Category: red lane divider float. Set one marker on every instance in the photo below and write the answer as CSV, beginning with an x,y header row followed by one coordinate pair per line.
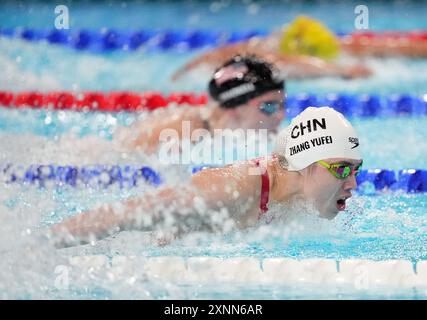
x,y
398,35
98,101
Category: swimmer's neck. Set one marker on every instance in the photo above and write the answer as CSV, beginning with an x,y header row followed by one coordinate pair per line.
x,y
284,185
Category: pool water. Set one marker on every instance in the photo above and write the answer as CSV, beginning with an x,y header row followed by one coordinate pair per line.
x,y
376,226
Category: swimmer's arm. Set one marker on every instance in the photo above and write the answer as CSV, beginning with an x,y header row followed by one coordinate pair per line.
x,y
218,56
216,188
296,67
133,213
383,47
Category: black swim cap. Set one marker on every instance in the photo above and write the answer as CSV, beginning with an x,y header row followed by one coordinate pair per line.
x,y
243,78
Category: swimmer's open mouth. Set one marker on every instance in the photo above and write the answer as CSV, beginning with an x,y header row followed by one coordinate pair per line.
x,y
341,204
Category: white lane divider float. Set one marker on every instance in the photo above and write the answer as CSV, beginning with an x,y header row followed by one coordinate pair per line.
x,y
398,273
210,269
422,274
291,271
363,274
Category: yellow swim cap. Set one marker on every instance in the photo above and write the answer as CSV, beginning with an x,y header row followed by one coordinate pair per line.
x,y
309,37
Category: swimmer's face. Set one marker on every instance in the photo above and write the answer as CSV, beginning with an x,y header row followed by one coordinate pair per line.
x,y
328,192
251,116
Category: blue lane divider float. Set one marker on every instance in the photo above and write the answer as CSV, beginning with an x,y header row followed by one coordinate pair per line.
x,y
97,176
111,39
360,105
409,180
130,176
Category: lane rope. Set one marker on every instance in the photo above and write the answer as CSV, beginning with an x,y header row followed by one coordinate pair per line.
x,y
350,105
107,40
130,176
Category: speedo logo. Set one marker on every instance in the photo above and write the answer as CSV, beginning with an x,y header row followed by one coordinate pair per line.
x,y
355,141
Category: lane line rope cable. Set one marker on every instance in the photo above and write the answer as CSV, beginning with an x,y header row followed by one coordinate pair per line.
x,y
362,105
130,176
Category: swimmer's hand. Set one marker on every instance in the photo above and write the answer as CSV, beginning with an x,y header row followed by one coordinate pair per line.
x,y
86,227
163,239
60,237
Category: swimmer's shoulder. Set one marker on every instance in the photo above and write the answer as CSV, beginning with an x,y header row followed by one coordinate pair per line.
x,y
234,186
242,176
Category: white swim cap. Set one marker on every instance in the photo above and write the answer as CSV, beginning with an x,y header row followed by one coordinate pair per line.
x,y
317,134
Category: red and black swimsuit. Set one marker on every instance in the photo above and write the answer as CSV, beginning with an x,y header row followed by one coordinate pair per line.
x,y
265,188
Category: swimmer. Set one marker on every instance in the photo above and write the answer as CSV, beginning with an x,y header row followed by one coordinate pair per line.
x,y
306,48
247,94
315,161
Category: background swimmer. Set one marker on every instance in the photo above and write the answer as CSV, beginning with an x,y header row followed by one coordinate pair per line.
x,y
323,174
303,50
248,93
